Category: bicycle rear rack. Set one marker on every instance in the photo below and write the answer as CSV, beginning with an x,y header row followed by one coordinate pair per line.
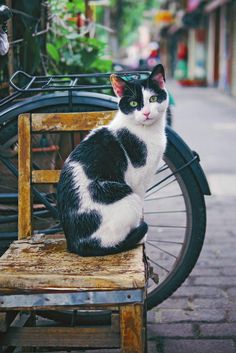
x,y
69,82
41,84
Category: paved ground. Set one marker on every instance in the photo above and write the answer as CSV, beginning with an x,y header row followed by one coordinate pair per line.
x,y
201,316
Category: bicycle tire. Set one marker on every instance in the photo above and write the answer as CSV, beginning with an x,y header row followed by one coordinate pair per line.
x,y
193,198
195,203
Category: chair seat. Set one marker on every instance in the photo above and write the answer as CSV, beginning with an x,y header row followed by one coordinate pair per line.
x,y
42,264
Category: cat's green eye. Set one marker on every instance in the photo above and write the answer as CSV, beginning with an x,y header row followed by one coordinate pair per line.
x,y
133,103
153,99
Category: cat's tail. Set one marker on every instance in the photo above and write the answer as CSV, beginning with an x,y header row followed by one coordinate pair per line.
x,y
131,240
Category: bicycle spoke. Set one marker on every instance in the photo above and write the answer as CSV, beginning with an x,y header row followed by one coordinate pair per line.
x,y
9,187
158,212
45,220
162,169
162,187
158,265
165,241
164,197
164,251
166,226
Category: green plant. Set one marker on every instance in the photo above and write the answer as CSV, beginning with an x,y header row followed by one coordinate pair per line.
x,y
69,50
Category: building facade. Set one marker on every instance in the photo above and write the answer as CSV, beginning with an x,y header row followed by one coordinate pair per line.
x,y
208,29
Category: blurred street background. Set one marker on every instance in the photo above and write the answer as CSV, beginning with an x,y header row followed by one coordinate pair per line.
x,y
196,42
194,39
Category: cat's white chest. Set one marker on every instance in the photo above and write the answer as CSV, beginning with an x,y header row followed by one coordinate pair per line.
x,y
139,178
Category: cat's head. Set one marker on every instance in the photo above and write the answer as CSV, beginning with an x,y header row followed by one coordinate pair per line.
x,y
144,101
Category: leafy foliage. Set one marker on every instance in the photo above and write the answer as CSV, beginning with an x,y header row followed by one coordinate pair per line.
x,y
127,17
69,51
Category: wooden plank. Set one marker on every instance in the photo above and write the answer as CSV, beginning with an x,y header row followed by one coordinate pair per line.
x,y
45,176
70,121
131,329
79,337
24,179
45,264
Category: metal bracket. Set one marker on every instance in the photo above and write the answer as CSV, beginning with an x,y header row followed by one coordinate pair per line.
x,y
71,299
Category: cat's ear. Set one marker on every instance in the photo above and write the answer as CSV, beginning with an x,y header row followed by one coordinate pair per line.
x,y
158,75
118,85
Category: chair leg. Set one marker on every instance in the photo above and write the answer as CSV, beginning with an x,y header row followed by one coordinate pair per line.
x,y
131,329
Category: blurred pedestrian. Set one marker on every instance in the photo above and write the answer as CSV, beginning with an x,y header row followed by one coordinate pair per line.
x,y
4,44
5,14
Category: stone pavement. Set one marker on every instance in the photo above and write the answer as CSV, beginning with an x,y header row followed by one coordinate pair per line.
x,y
200,317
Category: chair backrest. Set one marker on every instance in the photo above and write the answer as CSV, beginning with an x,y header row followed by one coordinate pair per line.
x,y
41,123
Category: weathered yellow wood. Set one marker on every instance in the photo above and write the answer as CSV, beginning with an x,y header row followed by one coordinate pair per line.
x,y
46,265
70,121
45,176
131,328
24,179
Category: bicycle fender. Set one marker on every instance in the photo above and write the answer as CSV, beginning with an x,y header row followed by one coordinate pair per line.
x,y
188,155
57,99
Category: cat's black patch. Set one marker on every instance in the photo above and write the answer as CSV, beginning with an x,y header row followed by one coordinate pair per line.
x,y
133,92
107,192
92,247
82,224
85,247
79,227
101,156
75,224
66,195
135,148
153,86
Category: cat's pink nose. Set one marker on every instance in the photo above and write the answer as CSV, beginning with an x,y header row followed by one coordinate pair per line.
x,y
146,114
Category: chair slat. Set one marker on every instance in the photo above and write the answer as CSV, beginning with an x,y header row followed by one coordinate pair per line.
x,y
24,179
45,176
54,122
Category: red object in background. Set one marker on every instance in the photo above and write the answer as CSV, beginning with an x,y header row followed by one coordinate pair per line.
x,y
200,35
182,51
192,83
80,20
154,53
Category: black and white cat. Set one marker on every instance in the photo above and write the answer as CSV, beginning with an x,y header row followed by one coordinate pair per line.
x,y
103,181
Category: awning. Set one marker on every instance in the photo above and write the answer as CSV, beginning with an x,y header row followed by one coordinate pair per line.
x,y
214,4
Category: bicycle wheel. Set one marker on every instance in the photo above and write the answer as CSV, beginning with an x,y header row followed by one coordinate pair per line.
x,y
176,215
174,209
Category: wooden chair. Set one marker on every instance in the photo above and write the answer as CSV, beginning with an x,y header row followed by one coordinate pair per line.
x,y
37,272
